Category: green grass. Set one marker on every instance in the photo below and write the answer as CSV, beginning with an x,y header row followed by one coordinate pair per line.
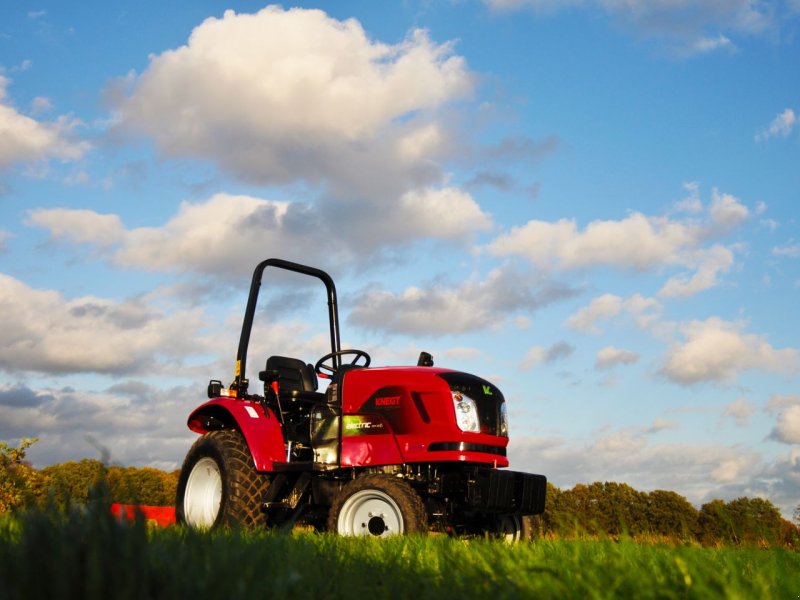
x,y
89,555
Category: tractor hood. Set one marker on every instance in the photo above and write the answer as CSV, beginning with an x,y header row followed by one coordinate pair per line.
x,y
424,414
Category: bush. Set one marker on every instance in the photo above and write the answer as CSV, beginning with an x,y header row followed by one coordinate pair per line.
x,y
19,482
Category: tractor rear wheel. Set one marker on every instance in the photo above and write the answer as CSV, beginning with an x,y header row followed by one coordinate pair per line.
x,y
377,505
219,485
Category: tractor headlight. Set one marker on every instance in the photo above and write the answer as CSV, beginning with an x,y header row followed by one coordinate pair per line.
x,y
466,412
503,420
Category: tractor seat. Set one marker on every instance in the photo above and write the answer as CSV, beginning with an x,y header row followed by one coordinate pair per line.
x,y
296,379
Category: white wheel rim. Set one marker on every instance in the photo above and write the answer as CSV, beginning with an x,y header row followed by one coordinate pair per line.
x,y
370,512
203,495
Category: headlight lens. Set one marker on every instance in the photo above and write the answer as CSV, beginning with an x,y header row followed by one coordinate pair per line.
x,y
503,420
466,412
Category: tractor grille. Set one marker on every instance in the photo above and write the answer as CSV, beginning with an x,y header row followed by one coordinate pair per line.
x,y
466,447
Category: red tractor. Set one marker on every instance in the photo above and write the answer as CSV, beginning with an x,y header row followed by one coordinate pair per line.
x,y
381,451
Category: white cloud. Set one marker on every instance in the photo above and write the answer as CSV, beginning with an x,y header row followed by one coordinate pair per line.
x,y
227,234
731,469
710,263
778,402
211,237
136,424
23,139
787,427
644,311
285,95
790,251
660,424
41,331
704,45
700,471
781,126
638,243
442,308
718,351
610,356
786,409
697,470
79,226
726,213
538,355
740,410
440,213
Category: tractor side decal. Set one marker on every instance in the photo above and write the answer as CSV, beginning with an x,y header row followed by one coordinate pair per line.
x,y
363,425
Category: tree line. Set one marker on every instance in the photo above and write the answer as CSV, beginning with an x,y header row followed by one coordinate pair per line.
x,y
617,509
598,509
71,483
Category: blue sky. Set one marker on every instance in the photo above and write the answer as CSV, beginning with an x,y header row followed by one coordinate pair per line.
x,y
592,203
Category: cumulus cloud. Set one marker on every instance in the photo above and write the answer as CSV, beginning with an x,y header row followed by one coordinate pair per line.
x,y
538,355
787,427
79,226
637,243
710,263
740,410
786,409
781,126
41,331
443,308
697,470
286,95
610,357
715,350
24,139
644,312
778,402
227,234
135,423
700,471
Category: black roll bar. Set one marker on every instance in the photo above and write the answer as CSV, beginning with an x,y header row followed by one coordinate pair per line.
x,y
240,381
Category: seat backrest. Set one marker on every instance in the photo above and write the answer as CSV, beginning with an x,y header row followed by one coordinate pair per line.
x,y
293,374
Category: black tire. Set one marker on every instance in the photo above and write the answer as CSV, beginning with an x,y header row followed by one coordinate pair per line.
x,y
377,505
219,485
510,528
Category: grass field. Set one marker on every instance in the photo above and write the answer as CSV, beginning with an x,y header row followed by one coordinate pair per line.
x,y
89,555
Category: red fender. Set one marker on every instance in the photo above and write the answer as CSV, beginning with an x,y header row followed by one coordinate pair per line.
x,y
262,431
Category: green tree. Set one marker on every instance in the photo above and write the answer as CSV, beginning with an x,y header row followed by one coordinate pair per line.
x,y
149,486
619,509
755,520
19,482
746,521
670,514
71,482
715,525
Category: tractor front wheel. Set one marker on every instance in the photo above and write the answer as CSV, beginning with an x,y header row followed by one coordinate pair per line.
x,y
379,506
508,528
219,485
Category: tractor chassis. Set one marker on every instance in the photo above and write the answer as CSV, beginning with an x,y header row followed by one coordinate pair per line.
x,y
459,499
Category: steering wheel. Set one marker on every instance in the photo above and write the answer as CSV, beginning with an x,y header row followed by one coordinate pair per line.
x,y
327,371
